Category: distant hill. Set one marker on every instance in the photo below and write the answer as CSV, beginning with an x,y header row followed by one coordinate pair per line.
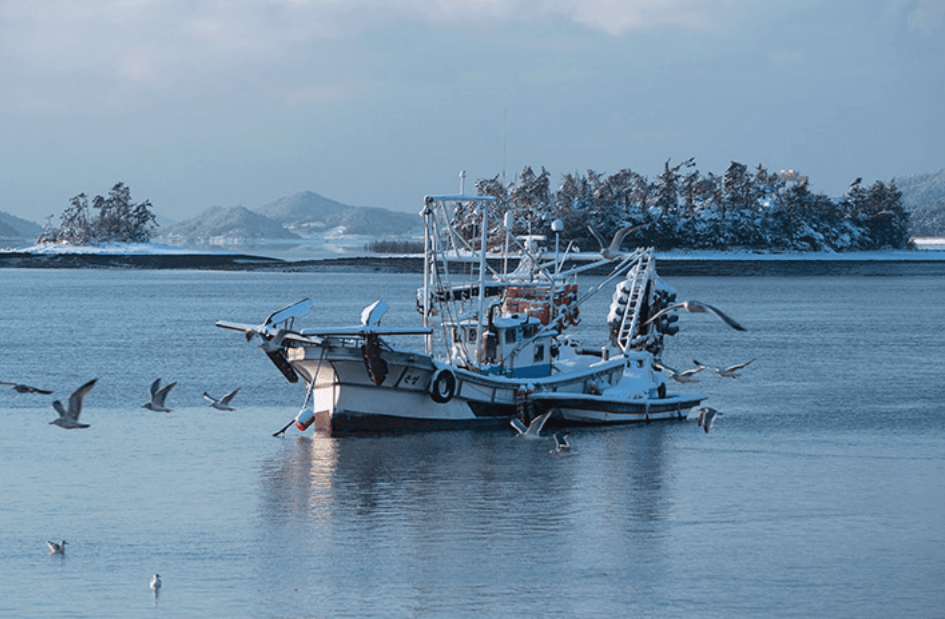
x,y
12,227
308,213
374,221
298,216
7,231
923,195
235,223
928,220
301,208
922,189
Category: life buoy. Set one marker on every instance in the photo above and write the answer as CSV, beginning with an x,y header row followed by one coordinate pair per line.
x,y
443,386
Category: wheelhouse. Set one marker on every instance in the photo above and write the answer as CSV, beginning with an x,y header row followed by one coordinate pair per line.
x,y
511,345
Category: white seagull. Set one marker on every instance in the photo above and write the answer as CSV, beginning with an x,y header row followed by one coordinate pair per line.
x,y
57,548
680,377
69,419
562,447
534,428
19,388
223,403
612,251
697,307
158,395
729,372
707,417
156,583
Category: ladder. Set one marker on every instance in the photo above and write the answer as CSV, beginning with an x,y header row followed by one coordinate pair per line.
x,y
627,302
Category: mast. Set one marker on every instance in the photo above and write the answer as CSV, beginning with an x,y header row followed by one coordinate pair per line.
x,y
427,214
482,272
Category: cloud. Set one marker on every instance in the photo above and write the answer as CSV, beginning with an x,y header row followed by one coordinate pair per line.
x,y
617,18
614,17
927,16
127,50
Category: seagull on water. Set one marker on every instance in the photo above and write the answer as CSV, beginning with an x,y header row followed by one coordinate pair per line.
x,y
680,377
562,447
612,251
57,548
707,417
19,388
158,395
156,583
69,419
729,372
697,307
223,403
533,431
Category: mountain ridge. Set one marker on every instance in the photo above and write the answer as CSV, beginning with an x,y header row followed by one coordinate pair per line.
x,y
297,216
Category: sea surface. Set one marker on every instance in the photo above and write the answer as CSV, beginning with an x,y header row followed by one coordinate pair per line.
x,y
819,493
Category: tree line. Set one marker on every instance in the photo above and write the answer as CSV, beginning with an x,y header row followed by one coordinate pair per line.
x,y
685,209
680,209
112,218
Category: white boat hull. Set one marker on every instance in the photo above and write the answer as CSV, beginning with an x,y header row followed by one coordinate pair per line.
x,y
345,398
601,410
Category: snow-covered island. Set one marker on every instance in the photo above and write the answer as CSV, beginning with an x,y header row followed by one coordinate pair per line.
x,y
112,249
740,222
125,255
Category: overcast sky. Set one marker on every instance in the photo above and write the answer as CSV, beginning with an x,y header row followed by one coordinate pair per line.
x,y
196,103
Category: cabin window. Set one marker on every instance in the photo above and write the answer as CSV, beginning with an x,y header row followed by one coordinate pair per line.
x,y
539,352
529,330
510,336
472,334
456,336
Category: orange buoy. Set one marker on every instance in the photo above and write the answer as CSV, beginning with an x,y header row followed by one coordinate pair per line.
x,y
304,419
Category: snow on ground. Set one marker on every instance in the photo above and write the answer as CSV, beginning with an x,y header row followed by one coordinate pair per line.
x,y
901,255
113,249
929,242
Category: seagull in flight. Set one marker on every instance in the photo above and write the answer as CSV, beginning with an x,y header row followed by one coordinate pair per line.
x,y
686,376
57,548
69,419
156,583
562,447
19,388
612,251
158,395
707,417
223,403
697,307
729,372
534,428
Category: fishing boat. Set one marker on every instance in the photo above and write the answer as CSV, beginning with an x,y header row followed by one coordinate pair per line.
x,y
495,311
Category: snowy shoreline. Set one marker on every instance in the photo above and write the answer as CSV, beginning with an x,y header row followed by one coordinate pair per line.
x,y
677,262
124,255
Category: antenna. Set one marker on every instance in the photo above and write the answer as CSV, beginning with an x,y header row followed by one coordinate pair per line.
x,y
462,183
505,137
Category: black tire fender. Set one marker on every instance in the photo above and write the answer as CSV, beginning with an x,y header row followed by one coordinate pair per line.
x,y
443,386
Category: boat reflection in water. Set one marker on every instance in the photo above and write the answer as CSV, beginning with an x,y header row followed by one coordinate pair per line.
x,y
431,515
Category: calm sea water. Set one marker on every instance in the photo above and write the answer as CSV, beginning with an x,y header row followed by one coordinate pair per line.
x,y
820,492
